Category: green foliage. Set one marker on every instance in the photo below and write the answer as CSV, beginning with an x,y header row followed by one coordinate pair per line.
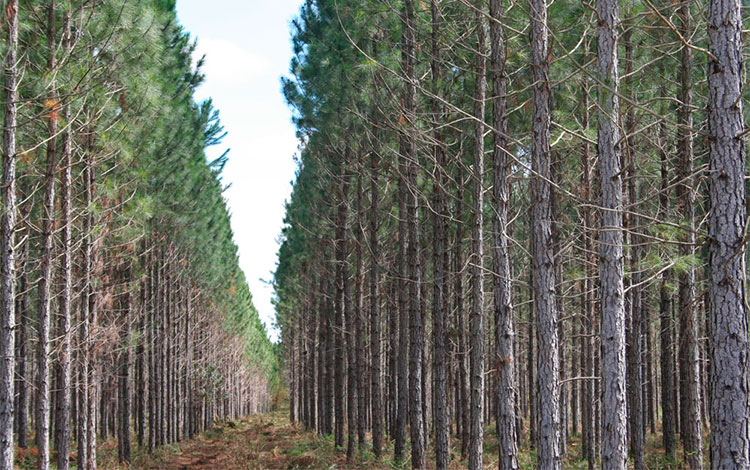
x,y
130,82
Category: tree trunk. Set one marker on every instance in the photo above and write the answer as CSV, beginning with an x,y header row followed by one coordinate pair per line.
x,y
90,297
45,278
587,348
140,352
666,359
339,328
459,307
614,413
375,337
413,271
730,381
689,353
64,394
123,377
7,242
359,338
349,329
504,361
23,371
548,395
403,314
634,294
477,351
440,262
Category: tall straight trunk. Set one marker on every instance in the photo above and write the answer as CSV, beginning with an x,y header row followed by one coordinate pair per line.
x,y
459,307
530,382
689,347
151,340
324,406
141,363
330,342
505,387
403,314
650,378
587,366
545,305
666,359
124,304
730,381
311,376
413,271
676,368
23,371
440,262
83,328
563,397
575,367
359,338
161,402
393,332
349,328
90,298
64,397
476,316
614,413
320,347
339,328
634,295
292,369
375,336
168,340
7,242
187,431
45,278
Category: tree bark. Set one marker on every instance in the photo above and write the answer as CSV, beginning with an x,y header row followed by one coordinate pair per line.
x,y
634,301
548,395
730,381
476,316
90,297
359,338
614,413
440,262
504,361
123,376
23,371
689,347
413,271
7,242
64,397
45,278
403,328
339,328
375,336
461,314
349,329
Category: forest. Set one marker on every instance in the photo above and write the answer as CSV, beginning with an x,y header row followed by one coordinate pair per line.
x,y
126,324
517,236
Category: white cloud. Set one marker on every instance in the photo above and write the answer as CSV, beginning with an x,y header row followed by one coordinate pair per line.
x,y
228,64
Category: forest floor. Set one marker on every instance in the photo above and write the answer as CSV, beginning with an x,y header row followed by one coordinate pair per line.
x,y
270,442
261,442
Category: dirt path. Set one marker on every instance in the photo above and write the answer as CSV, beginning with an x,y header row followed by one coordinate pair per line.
x,y
266,442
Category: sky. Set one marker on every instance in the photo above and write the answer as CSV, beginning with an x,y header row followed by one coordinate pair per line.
x,y
247,48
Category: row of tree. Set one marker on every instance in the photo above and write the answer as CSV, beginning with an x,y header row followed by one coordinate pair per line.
x,y
123,308
526,213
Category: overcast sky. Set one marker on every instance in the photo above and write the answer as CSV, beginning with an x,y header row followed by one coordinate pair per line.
x,y
247,48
